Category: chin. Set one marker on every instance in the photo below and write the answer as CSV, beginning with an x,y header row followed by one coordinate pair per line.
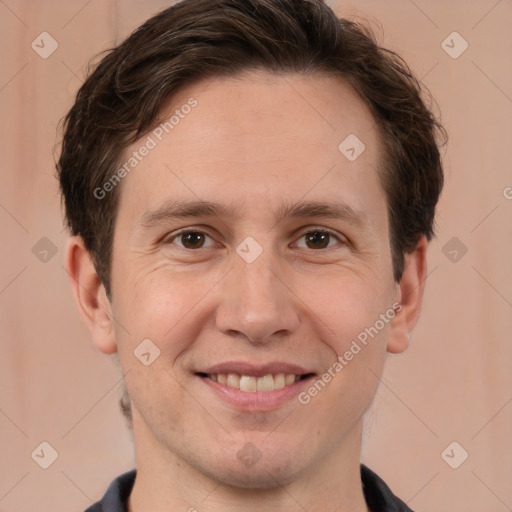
x,y
261,476
247,468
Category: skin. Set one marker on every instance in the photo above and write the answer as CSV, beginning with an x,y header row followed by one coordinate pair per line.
x,y
258,142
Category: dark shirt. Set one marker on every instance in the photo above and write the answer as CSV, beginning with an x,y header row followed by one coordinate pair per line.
x,y
378,495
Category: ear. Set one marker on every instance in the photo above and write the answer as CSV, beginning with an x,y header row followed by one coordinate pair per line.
x,y
409,294
90,295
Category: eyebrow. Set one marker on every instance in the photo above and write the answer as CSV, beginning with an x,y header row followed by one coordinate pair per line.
x,y
173,210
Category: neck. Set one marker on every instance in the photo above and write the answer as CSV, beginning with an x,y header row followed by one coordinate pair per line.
x,y
166,482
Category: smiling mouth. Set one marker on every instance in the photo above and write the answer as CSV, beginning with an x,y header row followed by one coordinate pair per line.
x,y
249,383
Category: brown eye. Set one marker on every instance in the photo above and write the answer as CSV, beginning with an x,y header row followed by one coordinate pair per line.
x,y
191,240
318,239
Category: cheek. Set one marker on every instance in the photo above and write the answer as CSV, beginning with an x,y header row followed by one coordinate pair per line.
x,y
351,316
347,307
165,306
345,389
161,317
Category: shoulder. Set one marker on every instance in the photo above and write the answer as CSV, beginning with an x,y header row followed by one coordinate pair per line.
x,y
95,508
378,495
116,495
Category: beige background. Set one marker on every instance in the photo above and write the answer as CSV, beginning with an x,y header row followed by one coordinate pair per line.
x,y
453,384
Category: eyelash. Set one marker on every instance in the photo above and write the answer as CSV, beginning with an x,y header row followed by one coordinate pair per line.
x,y
169,239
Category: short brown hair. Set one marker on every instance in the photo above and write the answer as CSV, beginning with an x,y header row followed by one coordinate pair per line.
x,y
196,39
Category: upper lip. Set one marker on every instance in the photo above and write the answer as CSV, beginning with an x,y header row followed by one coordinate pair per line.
x,y
250,369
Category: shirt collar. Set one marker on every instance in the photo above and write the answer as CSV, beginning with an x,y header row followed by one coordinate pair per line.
x,y
378,495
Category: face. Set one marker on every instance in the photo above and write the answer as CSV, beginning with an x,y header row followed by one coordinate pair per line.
x,y
253,254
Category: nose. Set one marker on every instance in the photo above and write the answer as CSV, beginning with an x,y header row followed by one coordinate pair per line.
x,y
258,302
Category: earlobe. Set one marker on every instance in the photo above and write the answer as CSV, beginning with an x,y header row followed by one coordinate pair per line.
x,y
90,295
410,296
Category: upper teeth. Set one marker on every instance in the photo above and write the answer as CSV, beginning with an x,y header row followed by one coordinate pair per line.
x,y
250,383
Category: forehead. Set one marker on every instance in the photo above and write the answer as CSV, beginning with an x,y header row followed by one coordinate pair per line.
x,y
258,138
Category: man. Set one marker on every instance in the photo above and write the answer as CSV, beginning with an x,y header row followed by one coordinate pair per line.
x,y
251,186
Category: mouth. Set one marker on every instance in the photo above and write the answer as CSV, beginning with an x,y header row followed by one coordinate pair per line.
x,y
255,388
251,383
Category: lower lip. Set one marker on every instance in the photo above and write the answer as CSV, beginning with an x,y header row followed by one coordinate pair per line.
x,y
257,400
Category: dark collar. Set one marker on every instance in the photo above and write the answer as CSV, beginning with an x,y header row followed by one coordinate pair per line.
x,y
378,495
